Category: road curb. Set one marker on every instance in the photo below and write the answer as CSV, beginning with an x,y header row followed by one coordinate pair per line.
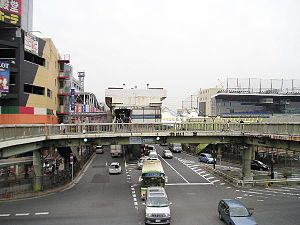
x,y
54,190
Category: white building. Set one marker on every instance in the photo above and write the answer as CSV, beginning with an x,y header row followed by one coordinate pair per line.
x,y
135,105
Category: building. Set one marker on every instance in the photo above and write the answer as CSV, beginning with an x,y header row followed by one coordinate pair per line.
x,y
254,98
204,99
135,105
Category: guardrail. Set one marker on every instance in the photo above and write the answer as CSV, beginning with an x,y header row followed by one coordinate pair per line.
x,y
12,132
263,182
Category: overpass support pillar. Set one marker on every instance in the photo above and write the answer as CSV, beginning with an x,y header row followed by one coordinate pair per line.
x,y
247,155
37,168
219,153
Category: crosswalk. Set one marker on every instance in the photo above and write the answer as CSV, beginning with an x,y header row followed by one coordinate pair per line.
x,y
194,166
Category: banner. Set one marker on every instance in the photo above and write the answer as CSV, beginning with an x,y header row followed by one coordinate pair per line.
x,y
10,11
4,76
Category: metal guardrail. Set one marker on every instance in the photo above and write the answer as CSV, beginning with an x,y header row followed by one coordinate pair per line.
x,y
12,132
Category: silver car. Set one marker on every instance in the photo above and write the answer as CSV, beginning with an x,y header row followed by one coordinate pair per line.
x,y
234,212
157,210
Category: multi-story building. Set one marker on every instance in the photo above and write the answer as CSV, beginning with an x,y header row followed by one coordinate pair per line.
x,y
135,105
33,77
253,98
204,99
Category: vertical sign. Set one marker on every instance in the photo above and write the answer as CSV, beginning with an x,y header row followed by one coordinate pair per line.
x,y
72,99
10,12
4,76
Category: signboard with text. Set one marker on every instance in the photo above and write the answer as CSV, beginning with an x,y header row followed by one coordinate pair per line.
x,y
10,12
4,76
31,43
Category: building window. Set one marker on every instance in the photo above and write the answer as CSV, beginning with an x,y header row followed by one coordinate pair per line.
x,y
34,59
33,89
49,93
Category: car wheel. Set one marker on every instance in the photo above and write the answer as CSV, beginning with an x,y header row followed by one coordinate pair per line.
x,y
220,216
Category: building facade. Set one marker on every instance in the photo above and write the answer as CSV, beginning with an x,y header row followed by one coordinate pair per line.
x,y
205,100
135,105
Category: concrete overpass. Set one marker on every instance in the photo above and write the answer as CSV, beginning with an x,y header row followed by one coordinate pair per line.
x,y
19,139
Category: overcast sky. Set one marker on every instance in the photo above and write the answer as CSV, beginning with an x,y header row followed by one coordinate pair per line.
x,y
181,46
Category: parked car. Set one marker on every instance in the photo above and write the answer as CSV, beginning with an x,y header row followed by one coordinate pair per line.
x,y
234,212
140,162
176,147
115,168
207,158
167,154
99,149
258,165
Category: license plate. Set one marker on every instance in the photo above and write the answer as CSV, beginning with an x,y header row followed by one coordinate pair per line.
x,y
157,221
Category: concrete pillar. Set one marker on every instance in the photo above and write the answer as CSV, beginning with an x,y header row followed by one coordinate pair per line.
x,y
246,170
219,153
37,168
253,153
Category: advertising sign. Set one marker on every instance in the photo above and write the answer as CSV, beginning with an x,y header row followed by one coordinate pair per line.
x,y
72,99
4,76
31,43
10,11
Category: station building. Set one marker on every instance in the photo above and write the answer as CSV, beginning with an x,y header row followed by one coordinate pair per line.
x,y
135,105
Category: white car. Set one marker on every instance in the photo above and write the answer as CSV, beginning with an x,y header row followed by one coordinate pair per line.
x,y
99,149
115,168
167,154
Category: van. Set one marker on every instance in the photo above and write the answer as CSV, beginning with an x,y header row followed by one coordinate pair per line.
x,y
176,147
99,149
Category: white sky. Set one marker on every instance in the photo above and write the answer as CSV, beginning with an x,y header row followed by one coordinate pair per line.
x,y
178,45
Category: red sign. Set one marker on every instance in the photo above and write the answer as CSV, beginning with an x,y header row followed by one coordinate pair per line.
x,y
10,11
11,6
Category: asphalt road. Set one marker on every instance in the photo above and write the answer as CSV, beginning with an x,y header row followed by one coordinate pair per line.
x,y
103,199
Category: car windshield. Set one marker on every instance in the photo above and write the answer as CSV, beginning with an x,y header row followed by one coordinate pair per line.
x,y
114,166
167,152
208,155
239,212
177,145
157,202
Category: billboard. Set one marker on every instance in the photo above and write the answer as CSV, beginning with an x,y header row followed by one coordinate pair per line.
x,y
4,76
31,43
10,12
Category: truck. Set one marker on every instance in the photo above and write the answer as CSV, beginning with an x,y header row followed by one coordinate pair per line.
x,y
116,150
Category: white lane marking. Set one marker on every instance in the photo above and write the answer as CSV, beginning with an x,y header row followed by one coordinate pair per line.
x,y
41,213
22,214
214,181
202,172
197,170
128,175
135,203
3,215
174,170
106,164
205,175
260,200
134,199
239,197
210,178
228,187
134,195
187,184
276,192
280,190
291,188
222,183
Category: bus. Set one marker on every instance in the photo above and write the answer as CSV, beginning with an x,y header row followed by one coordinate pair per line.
x,y
153,175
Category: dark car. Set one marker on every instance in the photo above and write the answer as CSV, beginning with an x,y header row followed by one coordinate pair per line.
x,y
258,165
234,212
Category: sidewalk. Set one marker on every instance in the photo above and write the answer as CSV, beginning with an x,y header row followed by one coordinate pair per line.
x,y
32,195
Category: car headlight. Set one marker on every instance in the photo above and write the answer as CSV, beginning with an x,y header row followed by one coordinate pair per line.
x,y
148,215
167,214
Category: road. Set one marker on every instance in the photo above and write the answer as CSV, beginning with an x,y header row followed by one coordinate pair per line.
x,y
103,199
